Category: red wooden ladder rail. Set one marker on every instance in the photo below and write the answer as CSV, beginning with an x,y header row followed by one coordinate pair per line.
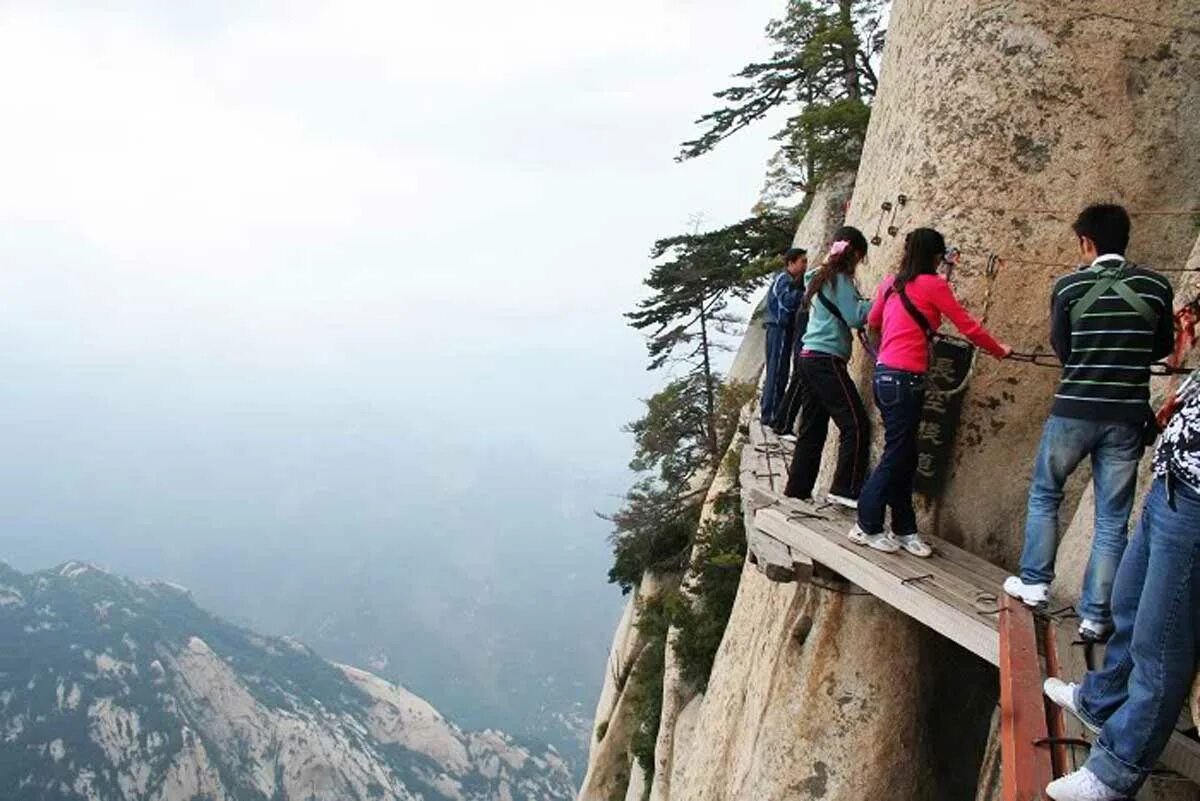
x,y
1025,767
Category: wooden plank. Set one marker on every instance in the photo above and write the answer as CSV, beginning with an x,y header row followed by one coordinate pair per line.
x,y
976,568
1056,725
775,455
1182,755
930,574
774,559
759,472
756,495
1067,662
917,599
1025,769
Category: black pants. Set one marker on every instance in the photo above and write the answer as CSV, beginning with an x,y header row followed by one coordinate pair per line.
x,y
830,393
793,399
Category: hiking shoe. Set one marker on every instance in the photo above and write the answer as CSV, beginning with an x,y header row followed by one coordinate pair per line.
x,y
842,500
1094,630
914,545
1082,785
1034,595
1063,693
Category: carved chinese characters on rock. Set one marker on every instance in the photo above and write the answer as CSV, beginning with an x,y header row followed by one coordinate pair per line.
x,y
949,369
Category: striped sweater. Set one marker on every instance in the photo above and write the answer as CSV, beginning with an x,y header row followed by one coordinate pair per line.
x,y
1106,356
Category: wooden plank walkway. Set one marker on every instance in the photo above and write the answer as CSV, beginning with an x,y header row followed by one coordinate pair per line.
x,y
764,466
954,592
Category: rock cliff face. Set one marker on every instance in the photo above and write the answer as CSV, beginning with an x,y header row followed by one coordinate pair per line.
x,y
115,690
989,114
997,121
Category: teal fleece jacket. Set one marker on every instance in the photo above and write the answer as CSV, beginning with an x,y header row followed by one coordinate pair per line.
x,y
825,333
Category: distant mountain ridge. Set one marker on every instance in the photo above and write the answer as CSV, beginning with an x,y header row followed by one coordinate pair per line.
x,y
114,689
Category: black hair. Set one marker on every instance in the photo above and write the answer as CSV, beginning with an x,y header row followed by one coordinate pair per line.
x,y
843,263
924,250
791,254
1106,224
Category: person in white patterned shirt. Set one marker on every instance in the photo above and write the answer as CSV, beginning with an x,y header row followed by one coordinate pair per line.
x,y
1134,701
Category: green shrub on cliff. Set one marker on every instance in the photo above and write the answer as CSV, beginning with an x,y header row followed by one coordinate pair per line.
x,y
721,551
645,686
655,527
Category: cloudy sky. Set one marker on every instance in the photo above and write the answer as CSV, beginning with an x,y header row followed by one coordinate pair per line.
x,y
270,268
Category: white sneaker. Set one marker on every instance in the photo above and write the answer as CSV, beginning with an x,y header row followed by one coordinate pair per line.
x,y
842,500
1094,630
1082,785
914,545
1063,693
788,438
880,542
883,542
1034,595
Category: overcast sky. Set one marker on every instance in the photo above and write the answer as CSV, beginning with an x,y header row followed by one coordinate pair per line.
x,y
302,185
289,279
437,209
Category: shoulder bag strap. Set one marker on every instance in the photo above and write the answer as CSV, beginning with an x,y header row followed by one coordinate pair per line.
x,y
913,311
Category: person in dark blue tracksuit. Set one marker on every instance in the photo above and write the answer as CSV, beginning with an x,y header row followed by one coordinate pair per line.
x,y
783,298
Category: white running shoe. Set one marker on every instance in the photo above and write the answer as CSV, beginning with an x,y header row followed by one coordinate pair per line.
x,y
1094,630
914,545
880,542
883,542
842,500
1082,785
1034,595
1063,693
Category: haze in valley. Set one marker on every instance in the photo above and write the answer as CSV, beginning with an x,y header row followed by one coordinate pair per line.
x,y
314,308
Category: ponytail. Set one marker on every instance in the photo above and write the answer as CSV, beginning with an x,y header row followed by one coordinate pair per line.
x,y
849,247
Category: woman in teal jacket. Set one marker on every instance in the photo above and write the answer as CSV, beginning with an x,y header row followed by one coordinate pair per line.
x,y
834,308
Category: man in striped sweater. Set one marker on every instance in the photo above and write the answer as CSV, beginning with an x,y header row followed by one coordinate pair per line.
x,y
1108,322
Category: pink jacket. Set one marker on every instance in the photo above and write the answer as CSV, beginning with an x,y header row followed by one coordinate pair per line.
x,y
904,346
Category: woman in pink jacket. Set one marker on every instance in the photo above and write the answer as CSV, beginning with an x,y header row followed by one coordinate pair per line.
x,y
908,308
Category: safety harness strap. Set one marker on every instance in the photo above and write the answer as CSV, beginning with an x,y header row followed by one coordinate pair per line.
x,y
1113,278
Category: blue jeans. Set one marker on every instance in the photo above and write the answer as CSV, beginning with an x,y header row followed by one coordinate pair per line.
x,y
900,395
1116,449
779,362
1151,659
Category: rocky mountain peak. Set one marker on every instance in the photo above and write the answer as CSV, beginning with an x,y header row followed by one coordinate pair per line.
x,y
112,688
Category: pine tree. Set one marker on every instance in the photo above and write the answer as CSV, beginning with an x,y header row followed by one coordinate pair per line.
x,y
824,65
694,278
